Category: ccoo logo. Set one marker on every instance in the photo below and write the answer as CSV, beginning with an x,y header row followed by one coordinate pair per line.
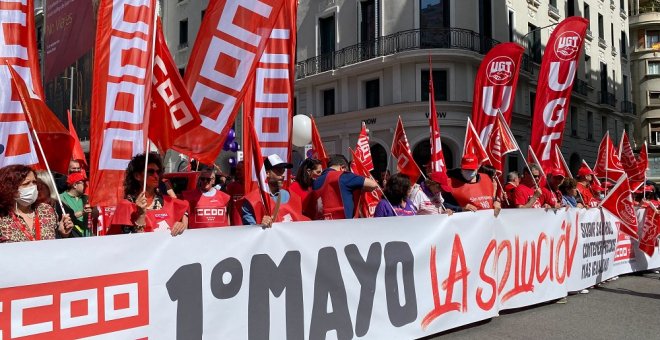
x,y
567,45
500,70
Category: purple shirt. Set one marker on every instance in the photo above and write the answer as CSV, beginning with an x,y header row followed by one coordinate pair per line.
x,y
384,209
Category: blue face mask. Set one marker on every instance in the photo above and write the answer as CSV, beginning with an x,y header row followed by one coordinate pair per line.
x,y
469,174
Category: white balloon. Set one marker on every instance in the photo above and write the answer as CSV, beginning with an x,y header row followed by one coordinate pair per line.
x,y
302,130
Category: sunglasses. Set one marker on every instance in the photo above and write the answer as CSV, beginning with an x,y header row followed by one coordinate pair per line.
x,y
152,172
206,179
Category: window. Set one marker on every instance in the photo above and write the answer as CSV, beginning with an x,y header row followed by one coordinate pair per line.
x,y
612,36
485,18
327,34
625,87
601,27
328,102
367,20
590,125
654,97
183,33
655,134
532,102
587,67
372,93
570,8
203,13
433,17
626,128
603,124
654,68
535,42
622,5
553,3
512,29
624,44
574,121
586,13
440,85
652,39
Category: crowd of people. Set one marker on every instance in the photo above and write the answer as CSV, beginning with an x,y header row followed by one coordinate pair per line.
x,y
30,208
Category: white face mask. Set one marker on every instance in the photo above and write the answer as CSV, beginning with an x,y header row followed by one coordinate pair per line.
x,y
27,196
469,174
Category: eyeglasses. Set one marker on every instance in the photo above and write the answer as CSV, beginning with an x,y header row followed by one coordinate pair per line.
x,y
206,179
152,172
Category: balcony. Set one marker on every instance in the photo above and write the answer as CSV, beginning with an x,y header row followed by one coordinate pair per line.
x,y
628,107
614,53
607,98
612,4
647,14
601,43
449,38
589,35
581,87
553,12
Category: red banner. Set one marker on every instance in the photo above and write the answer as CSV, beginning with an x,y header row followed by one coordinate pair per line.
x,y
619,203
495,87
472,144
18,49
230,43
68,35
553,92
642,164
608,164
121,94
317,145
560,163
54,138
253,168
500,143
401,151
629,163
363,150
172,111
78,153
650,231
437,157
269,98
368,200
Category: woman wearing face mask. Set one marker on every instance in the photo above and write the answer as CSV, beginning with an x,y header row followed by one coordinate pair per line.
x,y
471,190
22,218
309,170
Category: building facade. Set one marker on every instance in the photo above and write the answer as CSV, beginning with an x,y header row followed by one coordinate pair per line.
x,y
645,67
369,61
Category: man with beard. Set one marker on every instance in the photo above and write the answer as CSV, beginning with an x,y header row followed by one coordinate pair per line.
x,y
286,207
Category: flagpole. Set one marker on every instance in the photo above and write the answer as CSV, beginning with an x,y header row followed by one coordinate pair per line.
x,y
607,160
518,147
147,105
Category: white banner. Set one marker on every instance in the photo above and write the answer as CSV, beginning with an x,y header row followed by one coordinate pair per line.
x,y
384,278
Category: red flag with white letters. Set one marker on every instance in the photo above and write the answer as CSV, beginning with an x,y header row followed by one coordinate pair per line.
x,y
437,157
629,163
642,164
472,144
500,143
650,231
19,50
55,139
619,203
173,113
269,97
608,164
368,200
401,151
229,45
495,88
121,93
363,150
553,92
317,145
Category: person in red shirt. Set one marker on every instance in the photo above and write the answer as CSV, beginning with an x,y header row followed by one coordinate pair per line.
x,y
472,190
553,195
309,170
584,187
208,206
513,180
528,194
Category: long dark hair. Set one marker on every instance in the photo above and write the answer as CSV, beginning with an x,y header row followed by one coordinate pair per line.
x,y
304,178
132,186
11,178
397,187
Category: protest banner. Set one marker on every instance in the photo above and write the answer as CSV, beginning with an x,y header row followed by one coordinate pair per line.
x,y
384,278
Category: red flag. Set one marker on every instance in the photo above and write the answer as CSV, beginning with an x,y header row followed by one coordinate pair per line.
x,y
472,144
222,67
255,172
401,151
317,145
553,92
629,163
642,164
495,87
500,143
437,157
619,203
78,153
532,159
595,182
560,163
121,94
19,50
608,164
172,111
650,231
55,139
269,97
368,200
363,151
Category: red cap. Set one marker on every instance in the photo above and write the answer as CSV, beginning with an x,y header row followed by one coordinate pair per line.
x,y
596,187
649,188
75,177
556,172
584,171
469,162
607,184
441,178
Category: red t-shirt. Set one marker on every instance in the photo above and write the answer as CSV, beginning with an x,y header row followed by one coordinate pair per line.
x,y
548,197
302,193
587,197
523,193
